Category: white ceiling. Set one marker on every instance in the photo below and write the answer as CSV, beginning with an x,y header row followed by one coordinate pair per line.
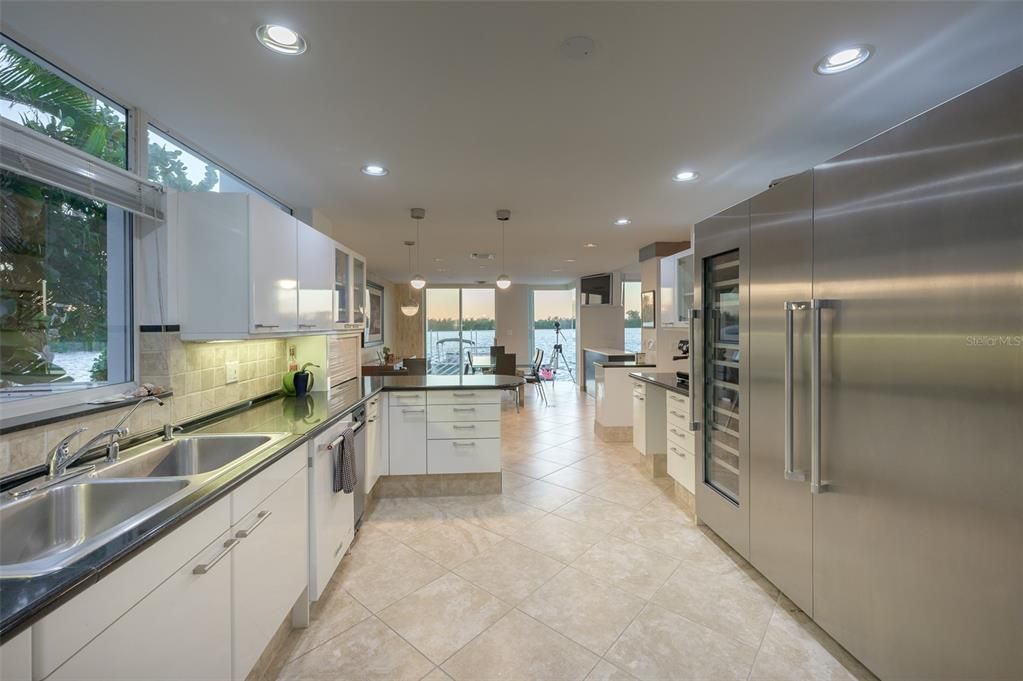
x,y
472,108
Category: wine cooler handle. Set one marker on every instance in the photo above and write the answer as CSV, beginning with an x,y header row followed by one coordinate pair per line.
x,y
816,485
790,465
694,425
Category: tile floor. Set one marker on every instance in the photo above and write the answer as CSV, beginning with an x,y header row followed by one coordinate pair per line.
x,y
584,568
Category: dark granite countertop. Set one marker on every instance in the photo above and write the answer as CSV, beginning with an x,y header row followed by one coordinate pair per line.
x,y
624,364
24,600
662,379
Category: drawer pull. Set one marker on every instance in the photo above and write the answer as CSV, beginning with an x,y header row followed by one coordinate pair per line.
x,y
676,451
265,326
206,567
463,409
307,326
260,519
469,427
463,444
675,413
412,411
638,398
678,432
408,397
464,394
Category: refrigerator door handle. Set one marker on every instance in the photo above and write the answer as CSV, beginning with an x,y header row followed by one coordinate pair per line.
x,y
694,425
816,485
790,466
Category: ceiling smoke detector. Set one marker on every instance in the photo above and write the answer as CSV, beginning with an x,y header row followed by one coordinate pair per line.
x,y
577,47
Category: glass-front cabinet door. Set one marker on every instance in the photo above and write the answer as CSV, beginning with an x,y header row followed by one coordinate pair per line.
x,y
683,289
721,384
358,290
342,280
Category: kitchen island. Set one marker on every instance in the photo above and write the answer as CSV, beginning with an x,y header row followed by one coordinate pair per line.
x,y
591,356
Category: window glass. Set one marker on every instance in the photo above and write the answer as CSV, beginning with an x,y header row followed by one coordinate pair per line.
x,y
176,166
42,98
65,296
633,320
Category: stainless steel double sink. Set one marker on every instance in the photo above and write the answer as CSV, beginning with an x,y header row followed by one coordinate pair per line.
x,y
44,530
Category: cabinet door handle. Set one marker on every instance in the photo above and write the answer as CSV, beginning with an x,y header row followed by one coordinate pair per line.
x,y
268,326
206,567
260,519
307,326
372,420
464,444
469,427
412,411
463,409
464,394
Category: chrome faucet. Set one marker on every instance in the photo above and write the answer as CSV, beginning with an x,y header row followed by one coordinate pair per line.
x,y
168,431
61,457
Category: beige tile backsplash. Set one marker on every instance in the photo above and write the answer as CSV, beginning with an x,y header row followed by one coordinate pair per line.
x,y
194,371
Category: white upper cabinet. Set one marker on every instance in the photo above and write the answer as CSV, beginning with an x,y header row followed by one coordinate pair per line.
x,y
247,269
315,279
676,288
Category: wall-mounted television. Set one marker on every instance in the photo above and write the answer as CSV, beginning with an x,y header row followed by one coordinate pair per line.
x,y
596,289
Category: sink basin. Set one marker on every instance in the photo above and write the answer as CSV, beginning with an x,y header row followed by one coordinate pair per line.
x,y
43,531
187,455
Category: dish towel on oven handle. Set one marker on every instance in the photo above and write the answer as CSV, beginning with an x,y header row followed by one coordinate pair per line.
x,y
344,463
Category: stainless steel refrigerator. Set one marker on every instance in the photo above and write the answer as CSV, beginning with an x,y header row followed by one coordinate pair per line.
x,y
859,385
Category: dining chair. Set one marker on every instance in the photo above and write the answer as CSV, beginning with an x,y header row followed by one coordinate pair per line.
x,y
416,366
504,365
469,368
534,377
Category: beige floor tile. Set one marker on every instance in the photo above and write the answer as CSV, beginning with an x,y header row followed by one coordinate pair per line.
x,y
796,649
369,651
380,570
596,513
589,612
543,495
401,518
576,479
498,513
660,645
737,603
336,612
533,467
631,494
664,508
437,675
443,616
511,480
561,455
629,567
559,538
553,437
582,443
605,671
518,648
600,464
452,541
665,536
510,571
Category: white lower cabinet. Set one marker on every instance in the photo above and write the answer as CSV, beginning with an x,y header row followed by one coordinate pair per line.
x,y
681,442
406,425
463,456
179,631
269,569
199,604
16,658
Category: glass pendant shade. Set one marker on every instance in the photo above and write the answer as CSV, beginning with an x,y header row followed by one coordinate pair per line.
x,y
417,282
410,308
503,281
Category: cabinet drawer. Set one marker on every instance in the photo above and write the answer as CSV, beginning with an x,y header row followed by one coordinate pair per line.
x,y
450,430
464,397
454,412
682,466
263,485
406,398
463,456
676,417
639,388
682,437
678,400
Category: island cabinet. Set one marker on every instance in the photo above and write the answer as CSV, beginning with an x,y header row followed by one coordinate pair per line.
x,y
406,421
200,603
463,431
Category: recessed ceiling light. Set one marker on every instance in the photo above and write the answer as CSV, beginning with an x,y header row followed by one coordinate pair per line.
x,y
375,171
569,259
590,245
555,270
621,222
438,259
280,39
844,59
685,176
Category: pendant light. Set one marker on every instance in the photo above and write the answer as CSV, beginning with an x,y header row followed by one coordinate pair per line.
x,y
417,281
410,307
503,281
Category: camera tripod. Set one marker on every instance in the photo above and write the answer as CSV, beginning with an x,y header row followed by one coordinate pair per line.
x,y
559,351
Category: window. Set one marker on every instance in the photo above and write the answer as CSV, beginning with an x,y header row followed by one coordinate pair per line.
x,y
176,166
460,322
65,296
41,97
633,320
553,324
